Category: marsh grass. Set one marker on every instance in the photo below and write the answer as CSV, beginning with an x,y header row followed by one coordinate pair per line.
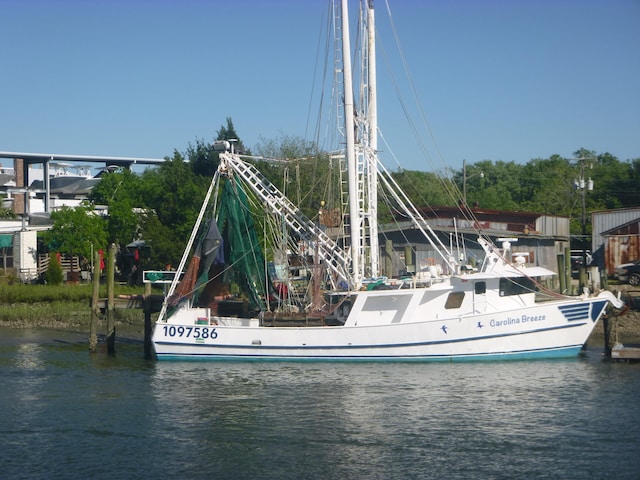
x,y
58,305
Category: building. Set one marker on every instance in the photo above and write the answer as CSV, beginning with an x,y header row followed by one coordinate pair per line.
x,y
34,186
540,238
616,237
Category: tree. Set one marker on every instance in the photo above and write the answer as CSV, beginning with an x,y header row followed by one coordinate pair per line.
x,y
166,245
121,191
172,195
76,231
299,171
204,160
546,186
424,188
54,274
229,133
628,188
611,184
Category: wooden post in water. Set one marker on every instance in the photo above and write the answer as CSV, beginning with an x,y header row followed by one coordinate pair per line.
x,y
146,305
582,282
604,281
562,274
95,308
388,259
567,271
607,335
408,260
111,328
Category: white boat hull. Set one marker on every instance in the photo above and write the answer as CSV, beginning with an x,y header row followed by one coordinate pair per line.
x,y
550,330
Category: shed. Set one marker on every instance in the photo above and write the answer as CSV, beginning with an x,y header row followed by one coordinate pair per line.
x,y
540,237
607,221
621,244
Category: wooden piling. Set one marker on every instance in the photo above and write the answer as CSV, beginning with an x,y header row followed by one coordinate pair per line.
x,y
606,325
582,279
111,327
388,258
562,273
95,307
571,288
147,306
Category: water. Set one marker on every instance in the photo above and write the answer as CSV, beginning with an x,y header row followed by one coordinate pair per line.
x,y
66,414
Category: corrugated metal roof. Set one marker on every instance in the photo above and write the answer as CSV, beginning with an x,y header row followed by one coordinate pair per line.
x,y
629,228
606,220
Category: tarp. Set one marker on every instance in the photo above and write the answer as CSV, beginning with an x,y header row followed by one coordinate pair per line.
x,y
6,240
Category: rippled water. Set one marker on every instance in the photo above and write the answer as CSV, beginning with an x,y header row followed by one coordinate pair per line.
x,y
69,414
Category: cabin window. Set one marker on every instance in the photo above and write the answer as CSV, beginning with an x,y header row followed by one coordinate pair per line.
x,y
480,288
516,286
454,300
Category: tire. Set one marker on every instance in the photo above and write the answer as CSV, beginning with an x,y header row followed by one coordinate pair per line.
x,y
634,279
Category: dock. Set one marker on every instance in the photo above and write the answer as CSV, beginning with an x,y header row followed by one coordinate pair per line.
x,y
626,352
153,303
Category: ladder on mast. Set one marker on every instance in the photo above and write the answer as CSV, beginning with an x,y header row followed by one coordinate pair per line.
x,y
335,258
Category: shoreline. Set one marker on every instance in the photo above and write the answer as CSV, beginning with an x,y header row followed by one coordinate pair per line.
x,y
47,329
623,329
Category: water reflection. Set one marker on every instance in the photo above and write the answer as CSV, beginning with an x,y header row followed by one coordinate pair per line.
x,y
517,420
28,357
360,419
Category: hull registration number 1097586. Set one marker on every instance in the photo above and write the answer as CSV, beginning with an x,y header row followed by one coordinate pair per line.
x,y
190,332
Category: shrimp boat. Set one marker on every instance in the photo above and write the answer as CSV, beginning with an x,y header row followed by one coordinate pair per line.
x,y
443,312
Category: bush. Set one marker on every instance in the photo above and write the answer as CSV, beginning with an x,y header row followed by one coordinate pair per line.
x,y
54,275
8,276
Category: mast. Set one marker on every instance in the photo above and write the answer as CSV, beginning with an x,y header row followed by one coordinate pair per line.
x,y
355,215
372,155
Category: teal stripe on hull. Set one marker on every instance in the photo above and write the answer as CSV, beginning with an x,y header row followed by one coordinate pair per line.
x,y
563,352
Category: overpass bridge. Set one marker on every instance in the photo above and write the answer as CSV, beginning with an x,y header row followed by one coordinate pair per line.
x,y
22,161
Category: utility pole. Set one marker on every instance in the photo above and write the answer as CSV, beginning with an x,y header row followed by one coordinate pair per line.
x,y
584,186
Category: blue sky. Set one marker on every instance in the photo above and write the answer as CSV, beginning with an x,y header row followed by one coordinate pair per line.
x,y
498,80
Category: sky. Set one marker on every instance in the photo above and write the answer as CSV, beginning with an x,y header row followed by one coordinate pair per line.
x,y
495,79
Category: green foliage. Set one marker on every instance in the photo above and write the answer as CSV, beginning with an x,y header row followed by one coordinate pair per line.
x,y
20,293
54,274
58,305
76,231
160,205
7,213
304,175
122,192
548,186
167,244
204,160
424,188
8,276
229,133
173,194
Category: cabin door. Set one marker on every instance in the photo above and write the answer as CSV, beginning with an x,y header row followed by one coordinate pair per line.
x,y
479,297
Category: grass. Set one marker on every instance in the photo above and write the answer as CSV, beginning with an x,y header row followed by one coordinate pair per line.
x,y
20,293
60,306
